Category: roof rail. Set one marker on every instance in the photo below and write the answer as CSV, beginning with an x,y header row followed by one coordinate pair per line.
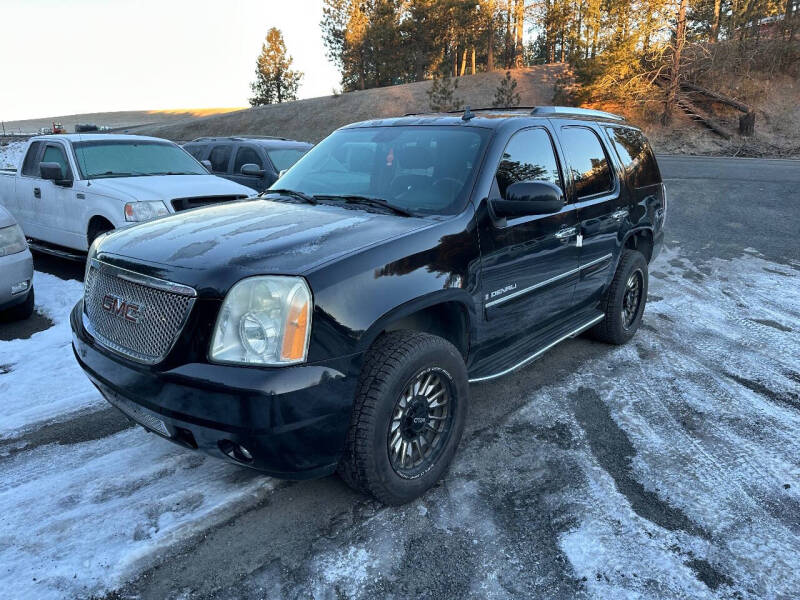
x,y
238,138
540,111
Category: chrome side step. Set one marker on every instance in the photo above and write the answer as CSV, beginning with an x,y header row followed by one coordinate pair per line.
x,y
538,353
56,251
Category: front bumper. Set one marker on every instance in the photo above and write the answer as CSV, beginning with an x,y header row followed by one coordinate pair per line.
x,y
14,269
292,420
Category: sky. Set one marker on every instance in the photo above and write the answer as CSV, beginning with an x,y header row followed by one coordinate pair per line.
x,y
62,57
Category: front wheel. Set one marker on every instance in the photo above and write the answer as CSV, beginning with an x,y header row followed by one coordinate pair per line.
x,y
624,300
408,417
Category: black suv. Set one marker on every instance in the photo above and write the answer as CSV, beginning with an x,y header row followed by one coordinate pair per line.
x,y
335,323
254,161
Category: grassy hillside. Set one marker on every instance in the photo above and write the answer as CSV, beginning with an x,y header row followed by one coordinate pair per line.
x,y
314,118
117,120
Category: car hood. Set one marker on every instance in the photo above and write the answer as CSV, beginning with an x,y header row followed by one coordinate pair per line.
x,y
168,187
218,245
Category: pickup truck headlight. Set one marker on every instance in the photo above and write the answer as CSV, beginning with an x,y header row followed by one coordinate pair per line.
x,y
264,320
145,211
12,240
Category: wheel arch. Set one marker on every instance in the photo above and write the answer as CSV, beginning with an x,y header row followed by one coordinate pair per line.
x,y
97,221
641,239
444,314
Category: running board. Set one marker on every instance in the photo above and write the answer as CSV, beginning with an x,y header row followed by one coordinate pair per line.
x,y
538,353
56,251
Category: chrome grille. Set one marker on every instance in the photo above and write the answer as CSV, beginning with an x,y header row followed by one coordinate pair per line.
x,y
134,315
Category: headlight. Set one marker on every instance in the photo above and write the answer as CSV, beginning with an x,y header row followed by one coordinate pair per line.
x,y
265,321
145,211
12,240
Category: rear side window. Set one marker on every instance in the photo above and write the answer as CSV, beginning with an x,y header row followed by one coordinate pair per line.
x,y
247,156
528,156
220,157
31,165
55,154
636,156
285,158
587,161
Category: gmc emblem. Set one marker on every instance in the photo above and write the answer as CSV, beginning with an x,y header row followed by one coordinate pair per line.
x,y
122,309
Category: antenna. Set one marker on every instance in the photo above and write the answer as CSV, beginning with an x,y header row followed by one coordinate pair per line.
x,y
467,115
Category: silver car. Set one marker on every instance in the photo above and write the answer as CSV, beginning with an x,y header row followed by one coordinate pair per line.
x,y
16,270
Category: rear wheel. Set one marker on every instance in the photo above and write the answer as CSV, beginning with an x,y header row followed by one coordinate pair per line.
x,y
408,416
624,301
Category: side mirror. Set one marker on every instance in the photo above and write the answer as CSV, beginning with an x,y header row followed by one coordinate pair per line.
x,y
206,164
51,171
252,169
529,198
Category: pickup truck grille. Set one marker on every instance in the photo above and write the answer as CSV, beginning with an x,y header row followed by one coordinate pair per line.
x,y
134,315
186,203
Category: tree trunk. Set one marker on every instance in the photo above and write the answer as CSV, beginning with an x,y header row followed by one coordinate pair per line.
x,y
715,24
473,60
490,52
788,25
519,21
672,90
464,62
509,14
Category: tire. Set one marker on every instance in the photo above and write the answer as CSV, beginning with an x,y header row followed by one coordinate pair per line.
x,y
98,229
615,328
23,311
398,363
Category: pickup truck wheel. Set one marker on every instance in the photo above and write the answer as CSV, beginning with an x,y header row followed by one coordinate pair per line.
x,y
408,417
98,228
624,301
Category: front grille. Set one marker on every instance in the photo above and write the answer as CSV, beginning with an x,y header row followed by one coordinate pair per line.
x,y
135,315
180,204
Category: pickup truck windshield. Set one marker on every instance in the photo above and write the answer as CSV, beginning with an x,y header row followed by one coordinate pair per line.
x,y
98,159
424,169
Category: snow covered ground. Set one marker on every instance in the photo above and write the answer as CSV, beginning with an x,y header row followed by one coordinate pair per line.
x,y
666,468
11,155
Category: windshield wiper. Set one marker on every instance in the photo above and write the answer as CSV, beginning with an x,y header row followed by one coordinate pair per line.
x,y
175,173
368,201
292,194
117,174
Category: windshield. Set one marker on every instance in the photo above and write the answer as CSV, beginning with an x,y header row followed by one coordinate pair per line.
x,y
132,158
425,169
285,157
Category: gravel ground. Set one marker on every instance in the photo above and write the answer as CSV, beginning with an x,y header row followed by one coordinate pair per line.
x,y
666,468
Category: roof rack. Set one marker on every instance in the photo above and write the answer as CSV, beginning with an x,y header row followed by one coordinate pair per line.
x,y
536,111
571,110
239,138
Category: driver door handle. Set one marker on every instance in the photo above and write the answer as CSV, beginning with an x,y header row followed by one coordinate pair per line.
x,y
37,192
619,215
566,233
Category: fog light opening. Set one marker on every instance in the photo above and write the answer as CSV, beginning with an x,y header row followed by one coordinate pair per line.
x,y
236,451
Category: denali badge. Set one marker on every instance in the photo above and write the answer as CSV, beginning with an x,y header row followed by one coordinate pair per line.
x,y
121,308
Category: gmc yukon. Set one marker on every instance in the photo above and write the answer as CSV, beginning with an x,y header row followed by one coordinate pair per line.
x,y
336,323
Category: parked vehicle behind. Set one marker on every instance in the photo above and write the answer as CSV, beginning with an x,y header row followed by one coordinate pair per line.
x,y
335,323
254,161
71,188
16,270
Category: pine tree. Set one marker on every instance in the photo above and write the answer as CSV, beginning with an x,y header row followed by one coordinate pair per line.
x,y
275,81
441,95
506,95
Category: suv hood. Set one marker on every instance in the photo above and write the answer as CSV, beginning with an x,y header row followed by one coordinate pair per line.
x,y
220,244
168,187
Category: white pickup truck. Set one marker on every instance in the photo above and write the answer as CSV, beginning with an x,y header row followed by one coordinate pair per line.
x,y
71,188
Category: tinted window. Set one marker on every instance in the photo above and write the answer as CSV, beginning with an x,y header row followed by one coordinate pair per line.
x,y
219,157
426,169
587,161
31,166
528,156
636,156
196,151
247,155
55,154
285,158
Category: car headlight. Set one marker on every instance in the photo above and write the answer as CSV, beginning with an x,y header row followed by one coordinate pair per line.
x,y
12,240
145,211
264,320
